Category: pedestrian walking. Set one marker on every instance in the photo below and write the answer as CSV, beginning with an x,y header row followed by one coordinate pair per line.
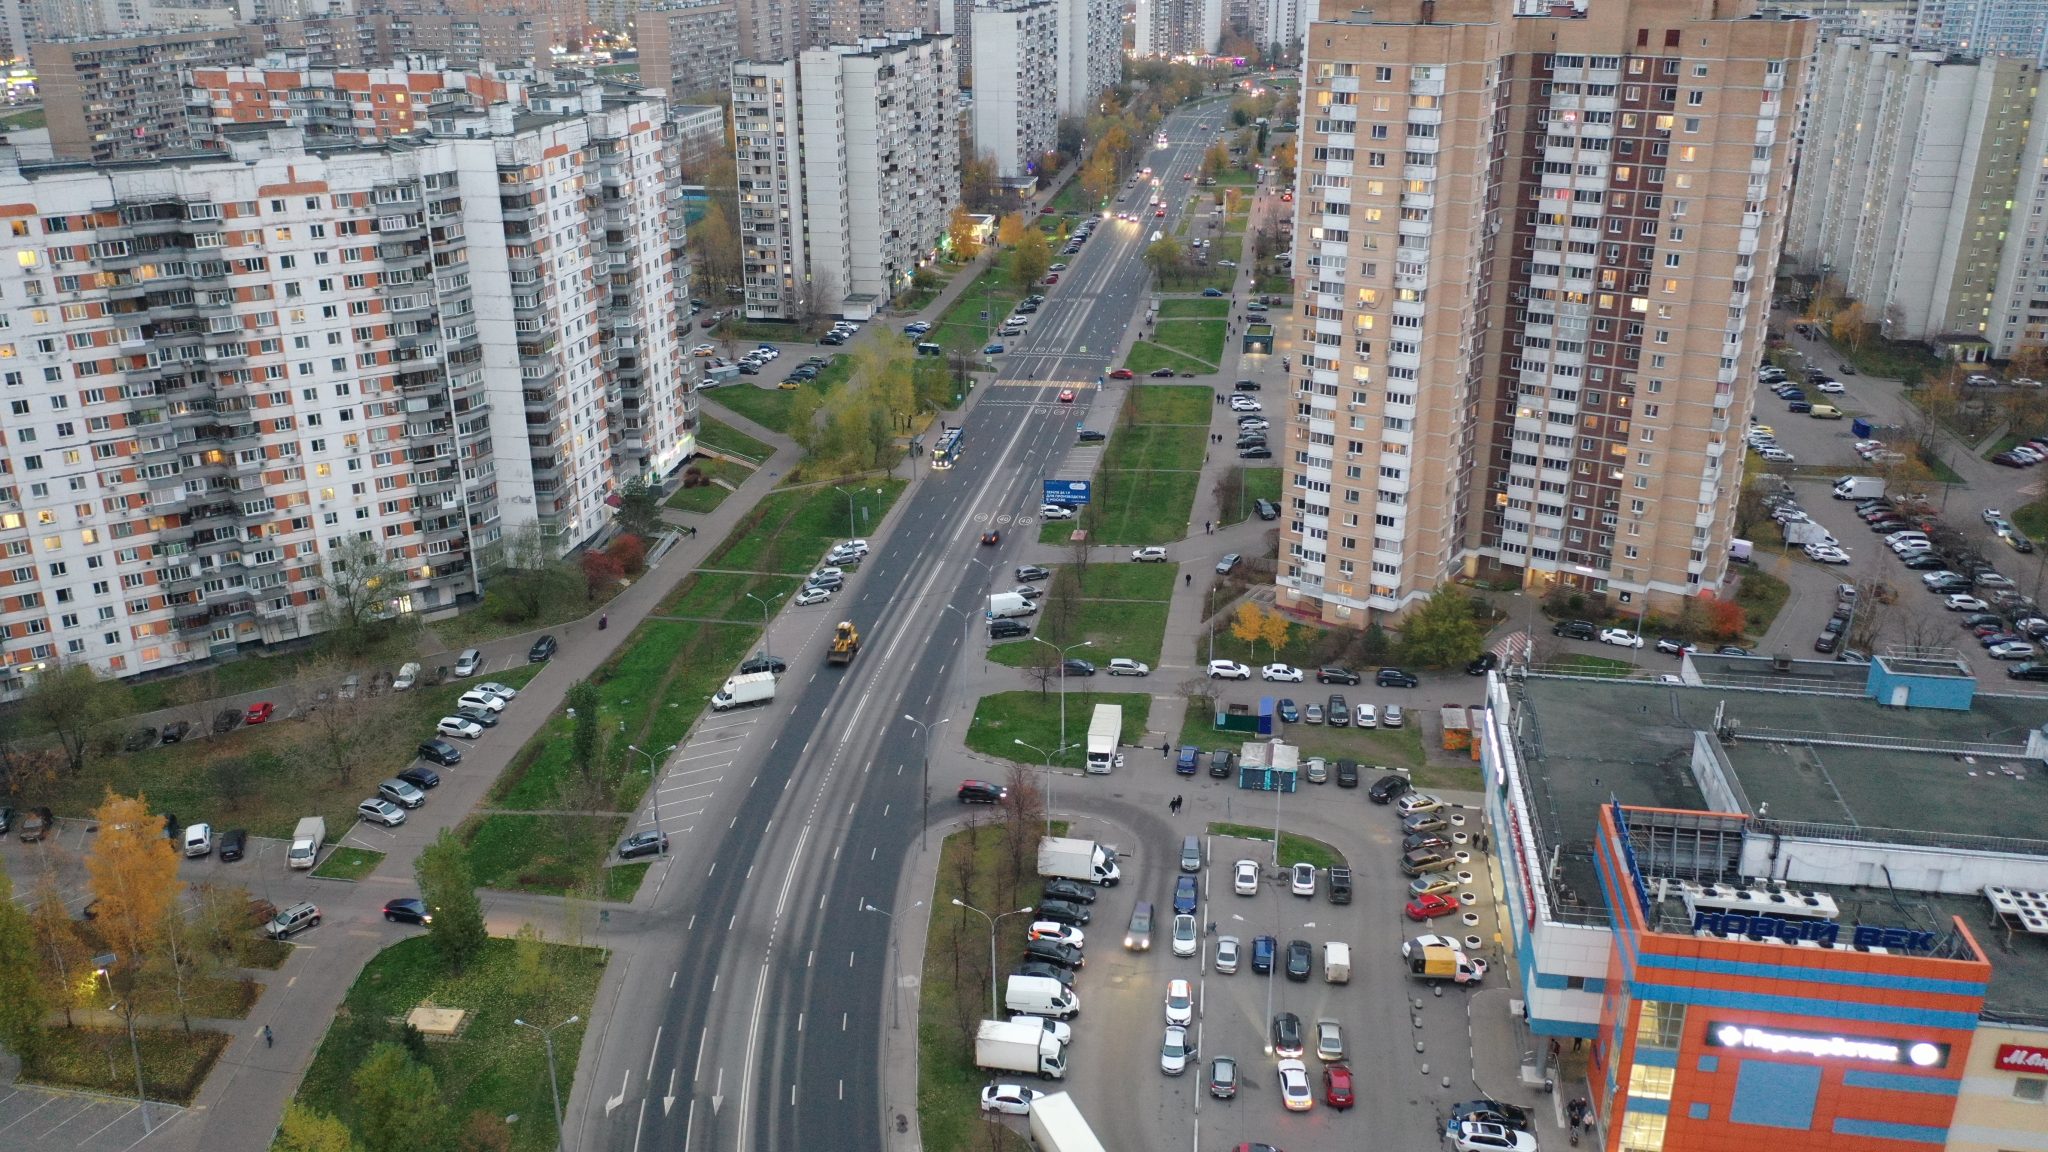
x,y
1165,750
1190,580
268,1040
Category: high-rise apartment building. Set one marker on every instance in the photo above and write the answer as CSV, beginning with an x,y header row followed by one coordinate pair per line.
x,y
336,104
772,30
503,39
1277,26
849,168
1177,27
224,370
1534,248
1091,52
1016,89
1918,190
325,41
1985,27
687,46
123,97
699,138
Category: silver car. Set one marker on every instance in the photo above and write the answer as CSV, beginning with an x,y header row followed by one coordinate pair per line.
x,y
1226,955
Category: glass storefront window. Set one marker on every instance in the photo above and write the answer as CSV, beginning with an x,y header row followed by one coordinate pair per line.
x,y
1650,1083
1660,1025
1642,1132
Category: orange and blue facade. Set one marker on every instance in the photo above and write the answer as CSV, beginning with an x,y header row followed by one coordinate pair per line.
x,y
1709,1044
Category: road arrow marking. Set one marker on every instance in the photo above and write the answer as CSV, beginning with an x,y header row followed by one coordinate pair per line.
x,y
718,1092
669,1101
615,1101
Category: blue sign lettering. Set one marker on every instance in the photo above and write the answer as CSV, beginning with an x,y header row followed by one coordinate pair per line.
x,y
1068,492
1819,931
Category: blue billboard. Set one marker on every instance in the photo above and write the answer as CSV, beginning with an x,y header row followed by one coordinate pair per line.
x,y
1067,491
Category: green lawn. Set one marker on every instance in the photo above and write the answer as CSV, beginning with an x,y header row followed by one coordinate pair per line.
x,y
1135,629
1388,747
1189,404
174,1062
1140,508
1201,339
793,528
1258,484
1145,356
955,984
1145,489
1273,285
346,863
962,327
1184,307
1578,663
1225,247
494,1067
1073,200
1303,641
1294,847
706,497
2033,520
1002,718
24,121
1123,581
915,299
713,433
622,881
758,399
1761,596
724,595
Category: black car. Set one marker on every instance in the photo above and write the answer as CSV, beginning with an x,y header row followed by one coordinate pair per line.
x,y
1826,642
1053,952
407,910
1030,572
760,664
1731,650
1041,968
421,777
175,731
1338,712
1395,678
981,792
1070,890
1925,563
2027,671
1287,1034
481,717
541,650
1092,436
1414,840
1063,912
1245,386
1347,773
1331,674
6,819
1161,373
233,843
1486,662
1258,453
1220,762
1575,629
1298,961
139,739
643,844
226,720
1387,787
1263,948
1072,667
1007,629
1489,1112
1266,509
440,752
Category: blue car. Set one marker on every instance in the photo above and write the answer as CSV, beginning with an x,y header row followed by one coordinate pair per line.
x,y
992,349
1190,761
1288,712
1184,894
1262,954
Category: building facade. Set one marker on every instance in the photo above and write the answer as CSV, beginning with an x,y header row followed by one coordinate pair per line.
x,y
699,137
1091,52
123,97
226,370
1016,90
1985,27
333,105
1177,27
324,41
1951,250
1533,257
687,46
849,168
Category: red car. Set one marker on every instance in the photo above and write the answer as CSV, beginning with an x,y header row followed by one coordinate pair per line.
x,y
259,712
1121,374
1052,278
1066,395
1430,906
1159,212
1337,1086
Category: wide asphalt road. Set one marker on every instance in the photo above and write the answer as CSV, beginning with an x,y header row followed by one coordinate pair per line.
x,y
769,1031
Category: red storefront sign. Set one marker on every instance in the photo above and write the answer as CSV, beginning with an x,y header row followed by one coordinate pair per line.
x,y
2021,1058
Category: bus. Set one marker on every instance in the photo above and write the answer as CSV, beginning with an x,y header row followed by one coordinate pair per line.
x,y
948,449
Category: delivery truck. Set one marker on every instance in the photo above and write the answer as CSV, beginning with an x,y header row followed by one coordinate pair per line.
x,y
1859,488
1057,1126
1029,1049
1083,860
1440,963
740,691
1005,604
1103,733
1041,996
306,841
1800,533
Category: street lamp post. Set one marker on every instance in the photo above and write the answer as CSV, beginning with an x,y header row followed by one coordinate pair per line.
x,y
958,903
547,1037
1047,757
104,965
1063,680
925,776
654,784
896,954
764,616
852,529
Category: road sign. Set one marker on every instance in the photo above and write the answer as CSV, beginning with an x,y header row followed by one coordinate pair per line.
x,y
1067,492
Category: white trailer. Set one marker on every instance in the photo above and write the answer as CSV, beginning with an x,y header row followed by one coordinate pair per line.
x,y
1104,731
1057,1126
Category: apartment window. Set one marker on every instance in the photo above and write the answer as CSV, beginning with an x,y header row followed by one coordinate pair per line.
x,y
1383,74
1695,98
2030,1089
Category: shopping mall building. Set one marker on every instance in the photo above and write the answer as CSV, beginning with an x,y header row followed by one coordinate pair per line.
x,y
1787,901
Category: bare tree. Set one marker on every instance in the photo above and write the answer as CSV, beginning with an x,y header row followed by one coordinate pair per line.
x,y
357,590
349,734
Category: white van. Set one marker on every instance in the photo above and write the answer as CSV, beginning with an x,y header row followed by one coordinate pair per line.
x,y
1337,962
1041,996
198,840
408,675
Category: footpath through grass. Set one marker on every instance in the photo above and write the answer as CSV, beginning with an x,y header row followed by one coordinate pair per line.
x,y
1145,489
1003,718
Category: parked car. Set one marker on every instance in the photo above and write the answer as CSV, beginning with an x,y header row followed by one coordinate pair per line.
x,y
542,649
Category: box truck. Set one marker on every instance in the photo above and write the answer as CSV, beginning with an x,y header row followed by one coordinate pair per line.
x,y
1001,1046
1800,533
1859,488
1083,860
1741,552
1439,963
306,841
739,691
1103,733
1004,604
1057,1126
1041,996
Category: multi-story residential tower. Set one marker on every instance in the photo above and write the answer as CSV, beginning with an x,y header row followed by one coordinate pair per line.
x,y
1178,27
1016,97
335,104
1534,249
225,369
699,137
1917,191
772,30
325,41
687,46
849,168
1091,52
1985,27
123,97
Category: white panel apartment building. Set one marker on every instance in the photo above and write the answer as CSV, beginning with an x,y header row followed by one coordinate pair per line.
x,y
1919,190
1177,27
1016,100
849,168
221,370
1091,52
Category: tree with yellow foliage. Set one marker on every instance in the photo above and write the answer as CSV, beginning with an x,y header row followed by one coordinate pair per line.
x,y
132,871
960,230
1011,228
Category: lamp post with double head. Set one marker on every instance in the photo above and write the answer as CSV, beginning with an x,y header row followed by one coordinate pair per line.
x,y
1047,757
957,903
896,954
1063,679
654,760
104,965
547,1037
764,617
925,776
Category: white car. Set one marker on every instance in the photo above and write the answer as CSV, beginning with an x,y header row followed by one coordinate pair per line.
x,y
1009,1099
1175,1051
1229,670
1620,636
1826,554
1245,878
1241,403
501,691
1962,602
1294,1089
1180,1002
1368,716
1829,386
1301,879
1152,555
1476,1137
1415,802
478,698
1184,935
1776,455
1411,948
1226,955
857,546
810,596
1055,512
1283,672
1124,666
1992,515
1056,932
703,350
457,726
